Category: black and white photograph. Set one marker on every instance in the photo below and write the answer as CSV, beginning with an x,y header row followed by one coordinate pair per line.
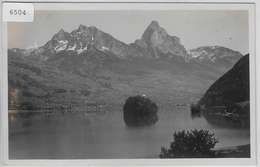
x,y
166,83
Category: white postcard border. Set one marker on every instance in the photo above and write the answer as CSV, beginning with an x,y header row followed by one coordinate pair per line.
x,y
138,162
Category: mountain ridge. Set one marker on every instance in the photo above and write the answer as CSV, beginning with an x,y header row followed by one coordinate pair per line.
x,y
215,56
91,65
80,38
155,39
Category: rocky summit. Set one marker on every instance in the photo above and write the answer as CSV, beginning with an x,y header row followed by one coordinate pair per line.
x,y
80,39
156,42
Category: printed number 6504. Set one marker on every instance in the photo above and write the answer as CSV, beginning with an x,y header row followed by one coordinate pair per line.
x,y
17,12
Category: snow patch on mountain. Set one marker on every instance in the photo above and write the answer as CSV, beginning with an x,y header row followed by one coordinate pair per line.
x,y
61,46
193,54
81,50
103,48
213,60
72,47
212,53
79,33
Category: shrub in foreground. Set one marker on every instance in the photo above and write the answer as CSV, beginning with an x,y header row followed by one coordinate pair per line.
x,y
139,110
190,144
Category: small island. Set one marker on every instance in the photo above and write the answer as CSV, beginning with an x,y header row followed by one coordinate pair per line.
x,y
140,111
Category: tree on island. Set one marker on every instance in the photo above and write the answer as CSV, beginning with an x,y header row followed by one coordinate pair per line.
x,y
195,110
140,111
190,144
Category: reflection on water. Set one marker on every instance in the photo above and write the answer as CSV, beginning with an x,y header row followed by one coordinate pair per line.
x,y
195,115
103,134
219,119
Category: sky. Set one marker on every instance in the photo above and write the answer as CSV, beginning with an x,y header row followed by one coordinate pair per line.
x,y
195,28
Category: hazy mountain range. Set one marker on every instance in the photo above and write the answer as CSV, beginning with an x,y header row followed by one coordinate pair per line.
x,y
91,66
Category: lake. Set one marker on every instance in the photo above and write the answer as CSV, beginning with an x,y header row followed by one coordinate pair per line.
x,y
96,134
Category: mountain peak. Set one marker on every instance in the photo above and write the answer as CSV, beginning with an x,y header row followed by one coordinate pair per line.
x,y
61,31
93,27
159,41
155,24
154,27
59,35
81,27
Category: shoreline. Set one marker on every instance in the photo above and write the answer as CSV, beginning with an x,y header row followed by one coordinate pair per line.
x,y
240,151
241,147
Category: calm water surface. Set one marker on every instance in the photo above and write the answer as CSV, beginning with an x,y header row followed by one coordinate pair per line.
x,y
103,134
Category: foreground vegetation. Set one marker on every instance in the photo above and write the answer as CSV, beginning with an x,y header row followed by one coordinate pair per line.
x,y
190,144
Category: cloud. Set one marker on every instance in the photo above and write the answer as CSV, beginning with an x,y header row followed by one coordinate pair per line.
x,y
33,46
